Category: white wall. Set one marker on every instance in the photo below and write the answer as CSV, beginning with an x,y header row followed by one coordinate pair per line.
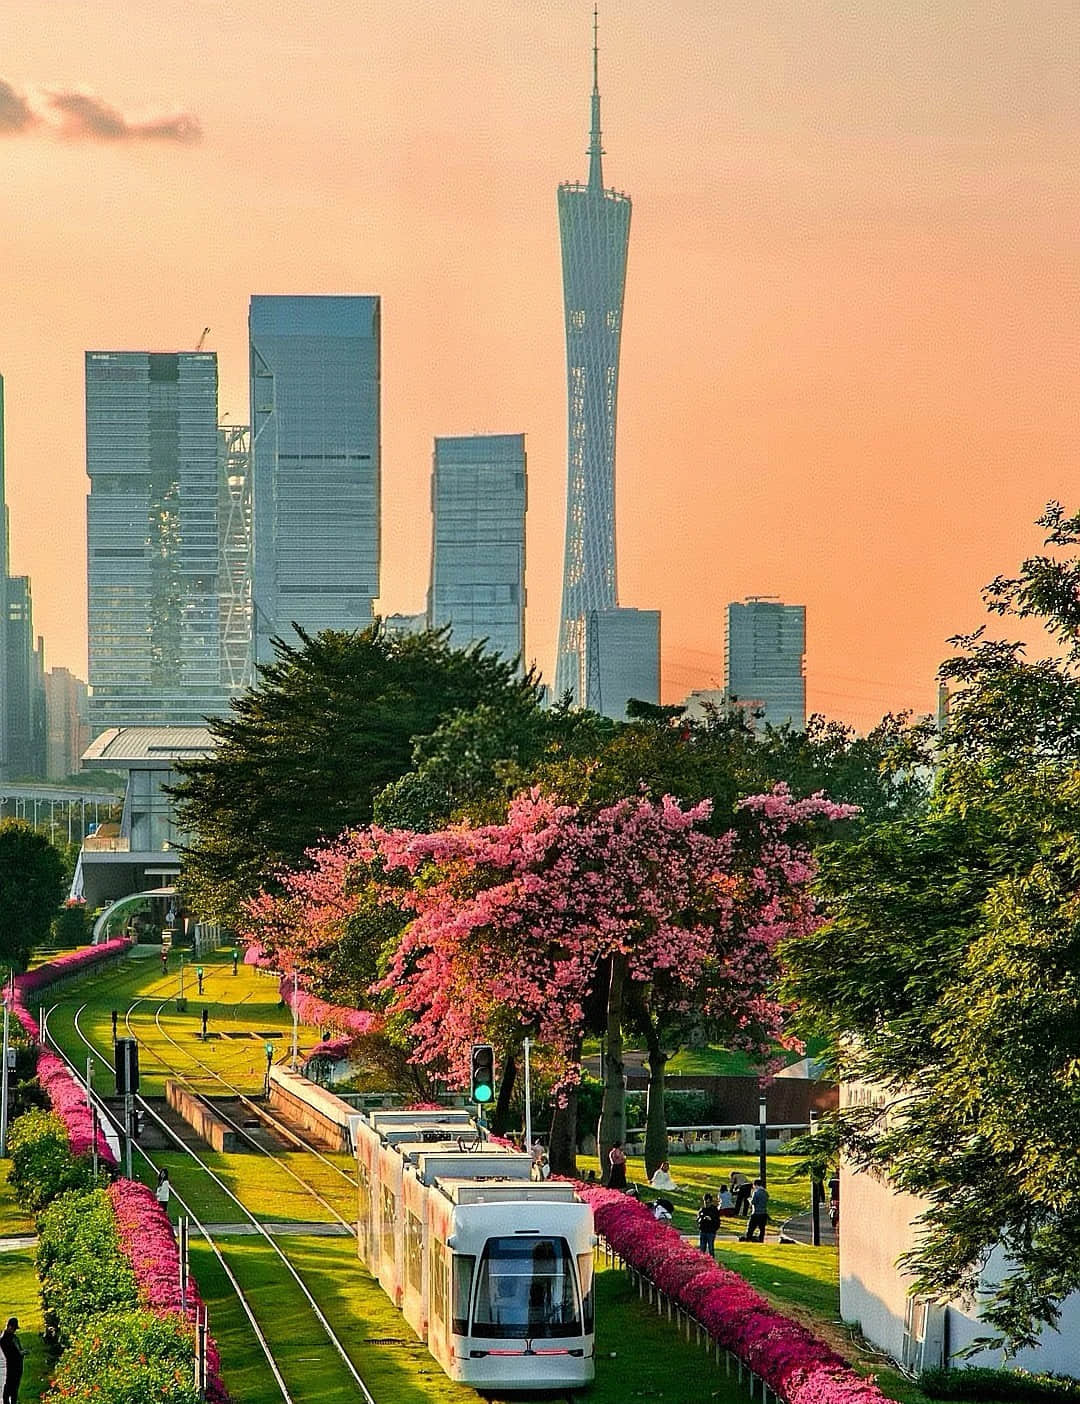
x,y
876,1228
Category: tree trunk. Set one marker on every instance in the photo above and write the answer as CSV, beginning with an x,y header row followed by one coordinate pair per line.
x,y
500,1116
612,1125
656,1138
562,1140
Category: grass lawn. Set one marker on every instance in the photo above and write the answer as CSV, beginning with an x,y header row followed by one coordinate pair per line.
x,y
694,1174
19,1297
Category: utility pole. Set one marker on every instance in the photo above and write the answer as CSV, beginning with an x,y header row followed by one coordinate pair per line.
x,y
8,992
93,1113
528,1102
295,1022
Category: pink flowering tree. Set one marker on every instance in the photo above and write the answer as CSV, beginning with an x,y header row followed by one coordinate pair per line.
x,y
531,915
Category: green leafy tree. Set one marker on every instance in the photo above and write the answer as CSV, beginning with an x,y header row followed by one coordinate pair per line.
x,y
949,973
31,889
302,755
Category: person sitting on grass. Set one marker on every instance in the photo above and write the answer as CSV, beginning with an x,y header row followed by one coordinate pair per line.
x,y
661,1179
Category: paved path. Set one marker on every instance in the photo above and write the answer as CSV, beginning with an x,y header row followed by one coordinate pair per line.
x,y
800,1229
17,1244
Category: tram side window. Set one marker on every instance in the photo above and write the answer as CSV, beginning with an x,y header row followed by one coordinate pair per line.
x,y
585,1277
363,1207
414,1249
437,1278
525,1288
388,1222
464,1267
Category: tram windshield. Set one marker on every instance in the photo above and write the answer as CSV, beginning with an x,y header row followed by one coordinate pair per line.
x,y
525,1288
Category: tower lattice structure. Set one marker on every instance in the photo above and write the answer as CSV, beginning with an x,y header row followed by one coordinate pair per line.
x,y
594,230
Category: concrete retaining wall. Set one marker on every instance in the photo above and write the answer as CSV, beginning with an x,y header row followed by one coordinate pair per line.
x,y
200,1117
315,1109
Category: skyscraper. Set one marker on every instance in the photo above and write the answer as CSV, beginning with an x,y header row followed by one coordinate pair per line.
x,y
315,463
24,664
478,500
153,537
764,661
594,229
620,659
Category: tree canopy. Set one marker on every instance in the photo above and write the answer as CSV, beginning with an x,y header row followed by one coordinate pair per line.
x,y
949,971
302,755
31,890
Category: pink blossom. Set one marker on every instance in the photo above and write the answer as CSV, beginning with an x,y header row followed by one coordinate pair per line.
x,y
792,1361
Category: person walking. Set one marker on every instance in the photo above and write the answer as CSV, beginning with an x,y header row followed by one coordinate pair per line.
x,y
708,1221
617,1162
13,1360
759,1213
163,1189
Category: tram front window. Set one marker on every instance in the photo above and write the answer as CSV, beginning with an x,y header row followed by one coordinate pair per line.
x,y
525,1288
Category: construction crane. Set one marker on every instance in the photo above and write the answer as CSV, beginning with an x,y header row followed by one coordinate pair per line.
x,y
205,334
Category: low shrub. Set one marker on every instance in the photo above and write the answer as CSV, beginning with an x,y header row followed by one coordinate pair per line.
x,y
127,1358
42,1163
686,1107
79,1263
1010,1386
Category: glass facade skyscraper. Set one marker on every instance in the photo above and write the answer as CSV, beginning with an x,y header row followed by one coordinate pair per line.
x,y
152,455
594,229
315,406
620,659
478,501
765,660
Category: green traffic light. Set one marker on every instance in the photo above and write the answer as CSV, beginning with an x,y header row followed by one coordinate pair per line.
x,y
482,1092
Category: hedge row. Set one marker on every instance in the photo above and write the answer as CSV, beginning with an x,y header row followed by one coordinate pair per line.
x,y
1008,1386
795,1365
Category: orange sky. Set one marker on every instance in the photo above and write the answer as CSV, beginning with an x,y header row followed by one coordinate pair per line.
x,y
850,347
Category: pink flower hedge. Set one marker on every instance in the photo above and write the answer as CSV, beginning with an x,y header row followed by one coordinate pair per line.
x,y
794,1364
67,1097
310,1010
147,1242
256,956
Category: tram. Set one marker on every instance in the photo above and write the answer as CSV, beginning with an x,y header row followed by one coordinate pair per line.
x,y
492,1270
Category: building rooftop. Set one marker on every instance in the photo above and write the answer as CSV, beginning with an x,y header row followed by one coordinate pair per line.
x,y
141,746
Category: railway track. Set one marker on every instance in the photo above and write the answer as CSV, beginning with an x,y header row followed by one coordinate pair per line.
x,y
150,1044
332,1337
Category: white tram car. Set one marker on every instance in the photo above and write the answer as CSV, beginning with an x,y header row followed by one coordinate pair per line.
x,y
493,1270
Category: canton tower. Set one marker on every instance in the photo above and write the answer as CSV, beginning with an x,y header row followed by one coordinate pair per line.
x,y
594,230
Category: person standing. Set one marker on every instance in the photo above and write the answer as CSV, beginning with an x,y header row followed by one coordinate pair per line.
x,y
617,1163
741,1189
708,1221
759,1213
13,1360
163,1189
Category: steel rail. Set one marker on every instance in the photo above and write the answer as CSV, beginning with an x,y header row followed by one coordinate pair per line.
x,y
200,1226
261,1230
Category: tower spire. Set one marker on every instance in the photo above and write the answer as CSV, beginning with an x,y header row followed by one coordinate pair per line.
x,y
596,150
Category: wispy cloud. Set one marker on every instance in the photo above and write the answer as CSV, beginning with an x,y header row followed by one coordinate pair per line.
x,y
82,116
16,114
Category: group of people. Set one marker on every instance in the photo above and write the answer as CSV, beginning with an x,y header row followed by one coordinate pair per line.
x,y
735,1200
741,1197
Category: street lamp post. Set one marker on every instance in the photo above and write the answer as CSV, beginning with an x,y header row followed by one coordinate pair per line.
x,y
269,1050
763,1136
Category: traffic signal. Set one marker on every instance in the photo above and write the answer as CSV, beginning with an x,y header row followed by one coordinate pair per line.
x,y
483,1073
127,1066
